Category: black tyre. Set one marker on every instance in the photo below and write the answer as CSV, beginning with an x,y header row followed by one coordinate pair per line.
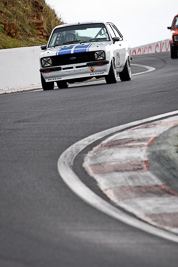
x,y
112,76
126,74
45,85
173,52
62,84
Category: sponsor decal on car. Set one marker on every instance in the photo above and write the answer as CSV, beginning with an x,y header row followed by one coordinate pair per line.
x,y
53,79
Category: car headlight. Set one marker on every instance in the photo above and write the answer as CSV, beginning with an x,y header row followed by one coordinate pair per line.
x,y
176,38
46,62
99,55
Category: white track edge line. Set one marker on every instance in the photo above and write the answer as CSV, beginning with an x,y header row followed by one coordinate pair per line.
x,y
149,69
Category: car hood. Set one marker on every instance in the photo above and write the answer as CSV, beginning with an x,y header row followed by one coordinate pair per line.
x,y
75,48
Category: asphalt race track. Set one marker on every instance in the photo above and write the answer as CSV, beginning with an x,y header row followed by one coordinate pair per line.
x,y
43,223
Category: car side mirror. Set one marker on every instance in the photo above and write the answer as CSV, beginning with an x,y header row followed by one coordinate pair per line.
x,y
169,28
115,39
43,47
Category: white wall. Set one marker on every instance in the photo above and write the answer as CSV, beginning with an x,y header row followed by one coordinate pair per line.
x,y
161,46
19,69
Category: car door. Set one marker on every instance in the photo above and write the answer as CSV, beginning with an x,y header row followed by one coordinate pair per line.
x,y
119,47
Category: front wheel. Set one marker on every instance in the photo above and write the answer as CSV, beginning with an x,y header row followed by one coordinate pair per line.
x,y
112,76
173,52
45,85
62,84
126,74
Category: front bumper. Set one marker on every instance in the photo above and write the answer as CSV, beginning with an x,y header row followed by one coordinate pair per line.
x,y
76,71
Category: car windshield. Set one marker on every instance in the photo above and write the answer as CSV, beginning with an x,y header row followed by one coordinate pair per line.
x,y
95,32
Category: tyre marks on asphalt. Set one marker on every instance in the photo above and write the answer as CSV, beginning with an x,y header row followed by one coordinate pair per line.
x,y
120,166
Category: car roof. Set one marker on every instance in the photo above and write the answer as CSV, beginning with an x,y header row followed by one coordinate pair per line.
x,y
79,23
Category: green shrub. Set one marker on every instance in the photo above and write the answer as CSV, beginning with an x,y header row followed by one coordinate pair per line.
x,y
21,13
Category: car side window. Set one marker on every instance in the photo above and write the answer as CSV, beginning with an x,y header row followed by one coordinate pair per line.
x,y
111,31
176,23
117,32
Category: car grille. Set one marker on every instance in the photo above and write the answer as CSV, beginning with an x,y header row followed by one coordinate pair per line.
x,y
73,58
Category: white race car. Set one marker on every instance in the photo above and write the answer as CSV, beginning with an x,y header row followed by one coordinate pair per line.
x,y
77,52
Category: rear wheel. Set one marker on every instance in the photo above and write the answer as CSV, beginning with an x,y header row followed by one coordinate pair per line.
x,y
112,76
126,74
62,84
173,52
45,85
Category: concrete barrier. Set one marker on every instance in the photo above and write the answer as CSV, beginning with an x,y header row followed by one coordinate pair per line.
x,y
19,69
161,46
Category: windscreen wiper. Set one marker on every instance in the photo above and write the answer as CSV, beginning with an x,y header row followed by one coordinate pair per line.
x,y
98,40
73,42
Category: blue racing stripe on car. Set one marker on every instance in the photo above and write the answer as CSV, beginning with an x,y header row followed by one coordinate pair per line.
x,y
81,48
65,51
